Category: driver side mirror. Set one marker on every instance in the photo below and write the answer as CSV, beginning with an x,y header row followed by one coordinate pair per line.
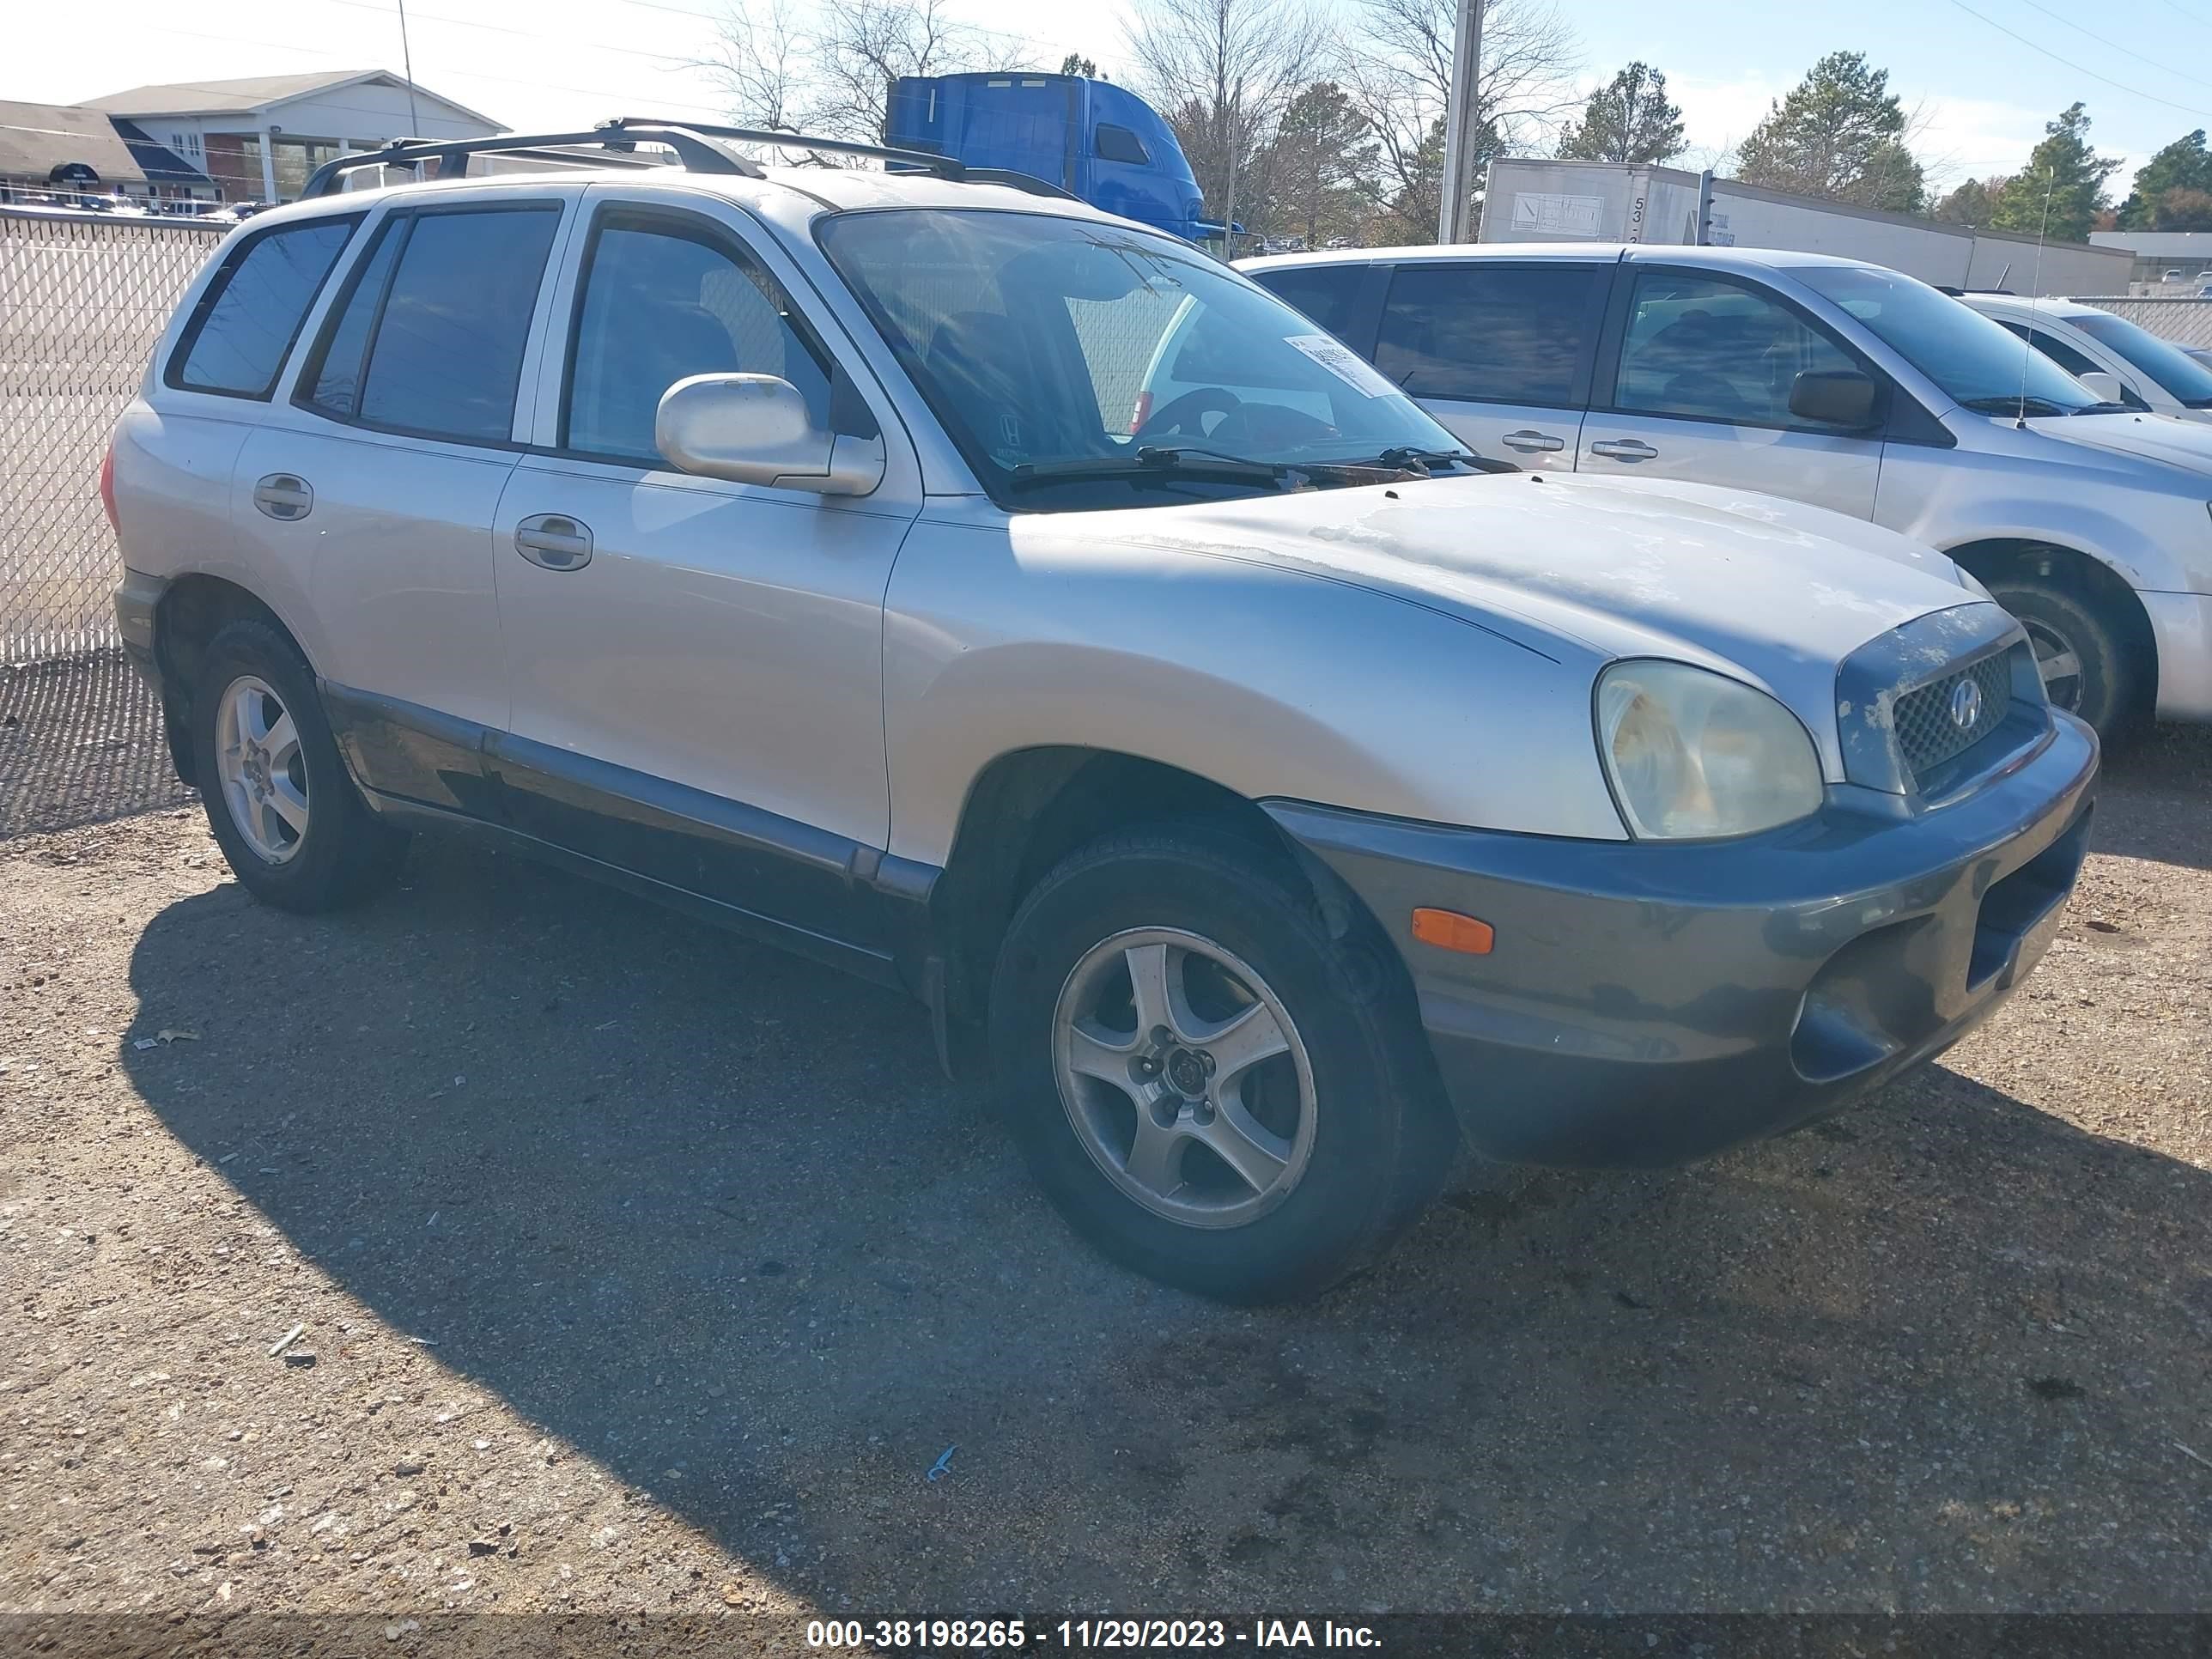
x,y
2104,386
755,429
1835,396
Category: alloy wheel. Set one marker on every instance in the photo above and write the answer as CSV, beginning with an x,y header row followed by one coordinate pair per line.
x,y
261,769
1184,1077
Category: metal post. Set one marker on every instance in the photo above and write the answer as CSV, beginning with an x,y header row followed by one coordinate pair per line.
x,y
269,162
1454,216
1704,208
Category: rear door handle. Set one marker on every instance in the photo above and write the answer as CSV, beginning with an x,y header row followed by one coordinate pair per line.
x,y
1624,449
284,495
553,540
1529,442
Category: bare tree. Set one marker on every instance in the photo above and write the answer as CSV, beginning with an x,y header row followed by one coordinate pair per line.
x,y
1222,72
830,72
759,61
1397,66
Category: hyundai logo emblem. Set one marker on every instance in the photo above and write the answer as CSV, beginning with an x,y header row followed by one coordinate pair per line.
x,y
1965,705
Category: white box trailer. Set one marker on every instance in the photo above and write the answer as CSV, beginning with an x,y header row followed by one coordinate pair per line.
x,y
1609,202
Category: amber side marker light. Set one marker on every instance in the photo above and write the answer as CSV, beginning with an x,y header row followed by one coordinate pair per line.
x,y
1448,930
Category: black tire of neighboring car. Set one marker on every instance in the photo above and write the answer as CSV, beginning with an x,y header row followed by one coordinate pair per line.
x,y
1384,1138
2109,697
347,852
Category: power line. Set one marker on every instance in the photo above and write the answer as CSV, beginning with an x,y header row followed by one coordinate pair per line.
x,y
2132,92
2124,52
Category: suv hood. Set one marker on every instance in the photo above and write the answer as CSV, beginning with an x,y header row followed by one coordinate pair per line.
x,y
2183,443
1773,592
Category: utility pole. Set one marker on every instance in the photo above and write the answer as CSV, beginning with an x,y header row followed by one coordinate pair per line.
x,y
1454,217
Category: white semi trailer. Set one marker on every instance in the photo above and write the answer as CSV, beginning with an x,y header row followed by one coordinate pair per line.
x,y
1610,202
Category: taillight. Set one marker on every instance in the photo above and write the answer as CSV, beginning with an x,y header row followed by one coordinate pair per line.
x,y
108,487
1142,413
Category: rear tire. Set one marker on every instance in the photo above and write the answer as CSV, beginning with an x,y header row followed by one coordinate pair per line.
x,y
2086,669
279,801
1158,1136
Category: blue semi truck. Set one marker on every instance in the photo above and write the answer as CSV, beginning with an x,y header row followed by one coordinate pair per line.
x,y
1091,137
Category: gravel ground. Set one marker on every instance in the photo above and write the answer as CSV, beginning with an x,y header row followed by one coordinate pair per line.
x,y
640,1270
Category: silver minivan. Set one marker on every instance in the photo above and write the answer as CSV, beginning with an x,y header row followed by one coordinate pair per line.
x,y
1829,382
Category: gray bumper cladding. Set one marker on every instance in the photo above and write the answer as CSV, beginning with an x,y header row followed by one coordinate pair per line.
x,y
1647,1002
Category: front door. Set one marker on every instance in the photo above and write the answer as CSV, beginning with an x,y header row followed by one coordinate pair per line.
x,y
1698,389
695,666
1498,351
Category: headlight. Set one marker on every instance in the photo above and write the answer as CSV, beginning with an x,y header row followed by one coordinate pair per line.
x,y
1693,755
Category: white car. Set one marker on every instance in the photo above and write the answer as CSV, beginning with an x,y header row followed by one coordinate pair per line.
x,y
1274,792
1829,382
2108,354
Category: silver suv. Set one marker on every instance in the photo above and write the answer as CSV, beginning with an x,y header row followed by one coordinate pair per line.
x,y
1826,380
1270,794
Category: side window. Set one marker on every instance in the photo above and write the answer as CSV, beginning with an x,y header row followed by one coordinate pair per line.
x,y
1717,351
1114,143
2073,361
665,297
430,337
331,384
1327,293
243,328
1514,334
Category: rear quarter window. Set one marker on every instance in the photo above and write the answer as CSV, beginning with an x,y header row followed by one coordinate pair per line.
x,y
245,324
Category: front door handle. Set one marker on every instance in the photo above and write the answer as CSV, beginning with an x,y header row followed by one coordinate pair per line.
x,y
1529,442
553,540
1624,449
284,495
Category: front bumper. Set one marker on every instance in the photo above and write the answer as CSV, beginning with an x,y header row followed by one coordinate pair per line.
x,y
1647,1002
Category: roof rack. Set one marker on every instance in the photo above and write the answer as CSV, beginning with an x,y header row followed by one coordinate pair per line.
x,y
614,143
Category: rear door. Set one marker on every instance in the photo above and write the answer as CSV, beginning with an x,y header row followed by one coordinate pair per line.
x,y
381,473
1694,384
1499,351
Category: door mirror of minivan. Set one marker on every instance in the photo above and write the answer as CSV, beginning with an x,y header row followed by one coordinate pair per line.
x,y
1835,396
757,429
2104,386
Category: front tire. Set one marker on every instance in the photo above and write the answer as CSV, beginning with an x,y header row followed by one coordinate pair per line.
x,y
292,826
2085,669
1213,1090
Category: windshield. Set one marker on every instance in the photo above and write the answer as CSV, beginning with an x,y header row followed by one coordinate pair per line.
x,y
1063,352
2181,374
1973,359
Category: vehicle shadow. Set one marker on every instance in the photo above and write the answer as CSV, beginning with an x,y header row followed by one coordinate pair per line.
x,y
712,1214
80,743
2154,798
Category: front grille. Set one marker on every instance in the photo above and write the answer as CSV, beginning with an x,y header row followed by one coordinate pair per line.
x,y
1929,733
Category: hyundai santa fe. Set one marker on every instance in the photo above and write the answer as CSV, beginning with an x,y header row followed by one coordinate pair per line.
x,y
1268,793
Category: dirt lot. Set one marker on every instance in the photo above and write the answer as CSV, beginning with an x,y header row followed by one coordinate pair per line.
x,y
645,1270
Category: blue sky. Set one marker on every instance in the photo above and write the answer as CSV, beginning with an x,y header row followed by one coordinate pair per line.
x,y
1981,96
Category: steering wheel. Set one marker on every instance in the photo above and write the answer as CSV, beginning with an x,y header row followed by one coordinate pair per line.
x,y
1183,414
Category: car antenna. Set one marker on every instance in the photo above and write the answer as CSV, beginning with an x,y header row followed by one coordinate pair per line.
x,y
2034,299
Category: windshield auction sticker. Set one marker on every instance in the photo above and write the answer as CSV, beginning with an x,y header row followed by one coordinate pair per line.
x,y
1342,362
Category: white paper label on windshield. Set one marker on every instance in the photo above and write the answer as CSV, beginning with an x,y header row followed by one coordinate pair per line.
x,y
1345,364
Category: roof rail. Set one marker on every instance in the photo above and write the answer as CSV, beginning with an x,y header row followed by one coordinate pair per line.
x,y
616,141
699,148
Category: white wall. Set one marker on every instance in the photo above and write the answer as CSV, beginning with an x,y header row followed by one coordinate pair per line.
x,y
370,114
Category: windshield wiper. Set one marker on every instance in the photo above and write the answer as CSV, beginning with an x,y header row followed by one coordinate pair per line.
x,y
2022,407
1432,459
1154,461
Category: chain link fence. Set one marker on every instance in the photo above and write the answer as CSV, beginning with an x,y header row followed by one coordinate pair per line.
x,y
83,298
2184,322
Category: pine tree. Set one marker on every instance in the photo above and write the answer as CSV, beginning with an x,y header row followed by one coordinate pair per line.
x,y
1839,134
2183,167
2062,189
1628,119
